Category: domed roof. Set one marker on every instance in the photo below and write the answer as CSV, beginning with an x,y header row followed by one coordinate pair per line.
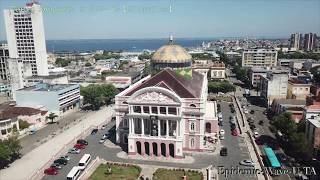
x,y
171,53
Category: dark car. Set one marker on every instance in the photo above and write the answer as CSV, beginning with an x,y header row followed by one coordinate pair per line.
x,y
82,141
94,131
220,123
223,151
233,126
252,112
261,122
61,161
252,126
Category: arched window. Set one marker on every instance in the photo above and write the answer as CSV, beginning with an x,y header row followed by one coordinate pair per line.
x,y
192,126
192,142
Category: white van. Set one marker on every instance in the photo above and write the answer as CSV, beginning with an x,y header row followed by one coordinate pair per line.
x,y
74,173
84,161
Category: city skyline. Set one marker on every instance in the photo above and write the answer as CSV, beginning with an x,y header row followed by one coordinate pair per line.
x,y
154,19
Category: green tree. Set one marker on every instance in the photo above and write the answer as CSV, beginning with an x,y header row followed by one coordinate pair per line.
x,y
51,116
285,124
147,69
220,86
5,155
62,62
23,124
299,146
88,64
98,95
145,55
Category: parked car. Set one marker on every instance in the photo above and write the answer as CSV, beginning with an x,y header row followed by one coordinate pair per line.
x,y
234,132
79,146
256,134
65,157
221,137
247,162
56,165
105,136
221,132
252,112
74,151
60,161
261,122
94,131
252,126
82,141
51,171
245,111
233,126
223,151
220,123
102,140
104,126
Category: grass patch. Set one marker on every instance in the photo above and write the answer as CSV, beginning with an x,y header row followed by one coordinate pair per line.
x,y
166,174
125,172
221,98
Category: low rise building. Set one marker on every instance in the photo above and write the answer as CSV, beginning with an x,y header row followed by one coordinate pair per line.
x,y
255,75
274,86
215,69
259,57
50,79
123,80
293,106
56,98
298,89
313,134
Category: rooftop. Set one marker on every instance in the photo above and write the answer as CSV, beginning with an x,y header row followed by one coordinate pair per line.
x,y
315,121
182,86
9,110
51,76
46,87
290,101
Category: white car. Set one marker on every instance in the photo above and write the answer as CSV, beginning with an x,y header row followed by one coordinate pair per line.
x,y
65,157
102,140
221,132
221,137
256,134
247,162
245,111
220,115
74,151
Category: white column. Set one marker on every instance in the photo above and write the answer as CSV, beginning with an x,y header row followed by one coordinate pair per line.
x,y
158,127
133,132
167,124
178,129
142,126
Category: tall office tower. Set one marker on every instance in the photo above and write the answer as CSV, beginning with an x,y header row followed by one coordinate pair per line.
x,y
4,55
310,41
26,39
296,41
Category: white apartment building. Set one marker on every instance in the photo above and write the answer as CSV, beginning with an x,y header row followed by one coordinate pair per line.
x,y
259,57
26,38
4,55
274,86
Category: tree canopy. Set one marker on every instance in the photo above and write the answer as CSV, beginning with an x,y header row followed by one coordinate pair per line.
x,y
107,55
9,150
299,55
220,86
98,95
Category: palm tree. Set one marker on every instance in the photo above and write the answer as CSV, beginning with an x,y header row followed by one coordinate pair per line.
x,y
51,116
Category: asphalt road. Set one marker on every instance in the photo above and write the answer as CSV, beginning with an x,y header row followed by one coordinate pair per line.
x,y
237,149
29,142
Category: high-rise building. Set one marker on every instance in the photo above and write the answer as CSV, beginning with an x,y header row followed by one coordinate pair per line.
x,y
26,38
296,41
15,75
310,41
4,55
259,57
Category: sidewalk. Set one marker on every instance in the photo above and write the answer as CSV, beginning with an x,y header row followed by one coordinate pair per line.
x,y
37,158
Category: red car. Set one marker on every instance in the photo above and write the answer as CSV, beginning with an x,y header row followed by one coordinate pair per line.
x,y
234,132
79,146
51,171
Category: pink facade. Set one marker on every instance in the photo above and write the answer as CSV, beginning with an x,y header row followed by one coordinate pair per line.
x,y
162,120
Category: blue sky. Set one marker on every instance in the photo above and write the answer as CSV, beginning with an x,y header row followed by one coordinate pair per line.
x,y
112,19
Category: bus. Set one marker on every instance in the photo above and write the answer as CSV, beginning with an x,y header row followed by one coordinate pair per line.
x,y
84,161
272,158
74,173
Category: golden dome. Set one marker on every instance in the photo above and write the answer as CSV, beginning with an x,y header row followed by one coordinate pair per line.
x,y
171,53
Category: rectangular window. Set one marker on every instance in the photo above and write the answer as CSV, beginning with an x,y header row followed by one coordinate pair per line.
x,y
172,110
163,110
146,109
154,110
137,109
125,123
